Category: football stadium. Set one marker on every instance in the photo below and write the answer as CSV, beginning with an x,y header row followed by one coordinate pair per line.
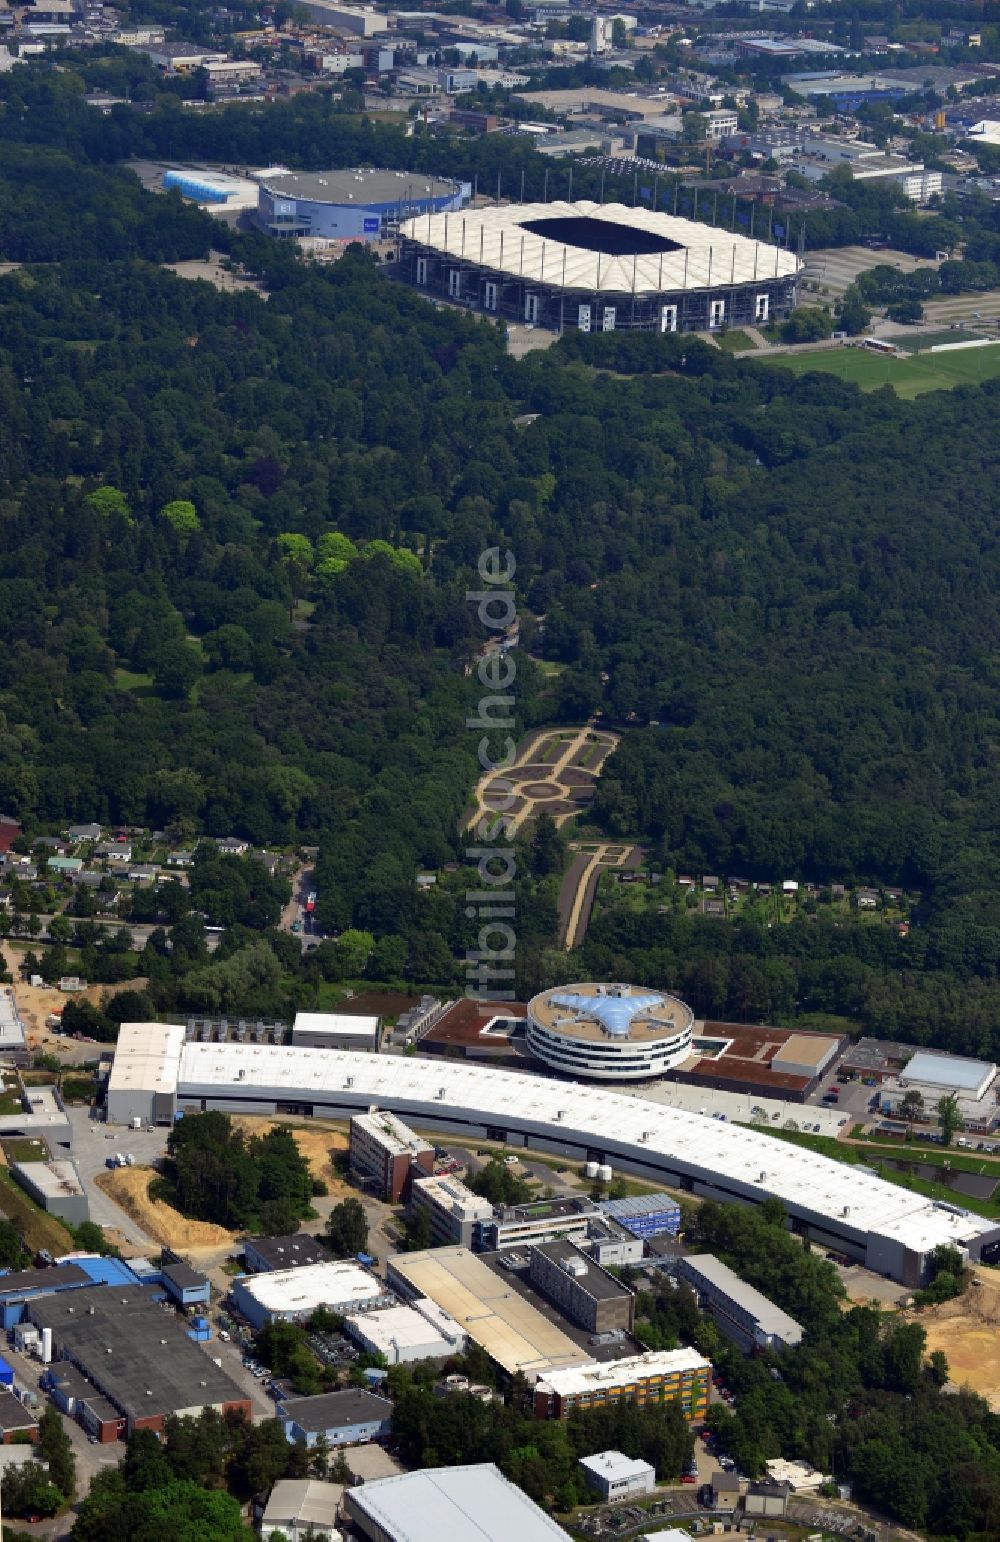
x,y
598,267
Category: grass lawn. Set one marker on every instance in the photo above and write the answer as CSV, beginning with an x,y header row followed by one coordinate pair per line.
x,y
735,342
872,1156
39,1229
20,1149
136,681
908,377
10,1101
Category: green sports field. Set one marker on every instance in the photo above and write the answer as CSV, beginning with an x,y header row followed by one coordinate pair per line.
x,y
908,377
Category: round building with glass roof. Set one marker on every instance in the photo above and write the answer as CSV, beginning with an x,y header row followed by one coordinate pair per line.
x,y
609,1032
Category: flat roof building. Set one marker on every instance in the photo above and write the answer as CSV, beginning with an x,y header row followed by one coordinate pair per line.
x,y
56,1186
511,1331
578,1286
137,1358
614,1476
354,204
336,1030
891,1230
537,1221
404,1334
609,1032
289,1295
384,1148
355,20
672,1375
804,1054
143,1080
448,1502
13,1044
454,1213
264,1254
645,1215
743,1314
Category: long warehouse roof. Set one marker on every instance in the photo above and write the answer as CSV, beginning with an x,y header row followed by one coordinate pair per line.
x,y
678,254
852,1196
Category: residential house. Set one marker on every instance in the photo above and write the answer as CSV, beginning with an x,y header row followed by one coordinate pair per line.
x,y
233,846
118,852
866,899
84,833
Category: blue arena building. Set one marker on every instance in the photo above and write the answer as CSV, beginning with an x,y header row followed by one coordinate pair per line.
x,y
351,205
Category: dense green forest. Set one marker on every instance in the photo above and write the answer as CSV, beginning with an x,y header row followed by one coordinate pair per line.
x,y
236,539
857,1397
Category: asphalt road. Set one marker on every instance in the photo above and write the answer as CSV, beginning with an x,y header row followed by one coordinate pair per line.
x,y
93,1143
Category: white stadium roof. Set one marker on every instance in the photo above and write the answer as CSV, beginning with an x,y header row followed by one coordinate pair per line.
x,y
696,256
740,1160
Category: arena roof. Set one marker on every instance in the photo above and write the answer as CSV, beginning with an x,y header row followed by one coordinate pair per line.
x,y
526,241
611,1120
360,186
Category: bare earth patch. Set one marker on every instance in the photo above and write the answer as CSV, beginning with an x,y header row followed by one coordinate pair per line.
x,y
967,1332
129,1188
315,1145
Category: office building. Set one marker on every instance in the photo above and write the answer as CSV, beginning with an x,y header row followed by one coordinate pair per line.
x,y
454,1213
608,1032
540,1220
580,1288
384,1148
666,1376
741,1312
